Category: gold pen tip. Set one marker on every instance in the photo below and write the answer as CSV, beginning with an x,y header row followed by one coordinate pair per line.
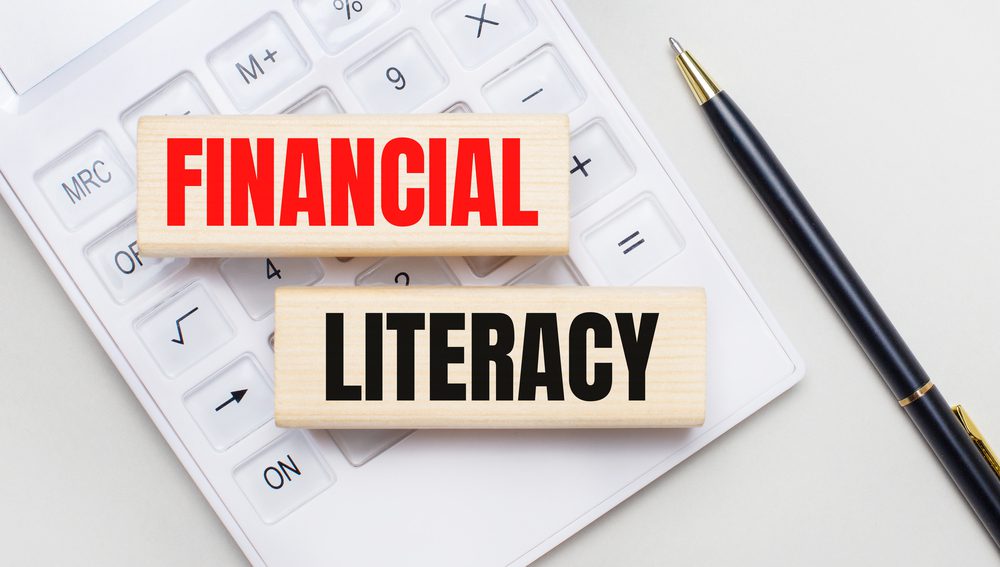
x,y
677,46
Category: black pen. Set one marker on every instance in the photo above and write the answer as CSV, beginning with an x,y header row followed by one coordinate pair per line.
x,y
951,435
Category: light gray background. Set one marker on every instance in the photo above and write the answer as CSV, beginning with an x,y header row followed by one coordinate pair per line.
x,y
886,114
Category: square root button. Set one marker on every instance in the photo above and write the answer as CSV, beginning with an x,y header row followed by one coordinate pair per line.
x,y
633,242
232,403
85,180
283,476
184,329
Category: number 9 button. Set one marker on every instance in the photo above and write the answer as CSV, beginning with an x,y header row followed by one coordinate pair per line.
x,y
399,78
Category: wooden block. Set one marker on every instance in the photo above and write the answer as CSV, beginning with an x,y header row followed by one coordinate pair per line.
x,y
373,358
353,185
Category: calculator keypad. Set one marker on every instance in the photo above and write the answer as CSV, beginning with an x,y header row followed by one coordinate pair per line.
x,y
85,181
408,271
282,476
597,165
476,30
556,271
258,63
483,266
123,269
320,101
542,83
185,329
232,403
400,77
375,63
254,280
634,242
362,445
181,96
337,23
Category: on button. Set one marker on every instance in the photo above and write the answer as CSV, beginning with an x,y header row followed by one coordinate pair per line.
x,y
283,476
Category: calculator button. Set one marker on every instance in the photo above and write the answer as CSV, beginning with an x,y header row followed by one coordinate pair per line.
x,y
597,165
123,269
483,266
259,62
550,271
337,23
181,96
458,108
232,403
254,280
85,181
634,242
184,329
541,83
320,101
399,78
478,30
408,271
283,476
362,445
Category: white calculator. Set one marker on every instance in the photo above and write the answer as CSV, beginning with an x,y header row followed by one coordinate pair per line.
x,y
193,337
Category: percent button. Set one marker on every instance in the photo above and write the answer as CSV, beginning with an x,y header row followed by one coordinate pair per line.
x,y
339,23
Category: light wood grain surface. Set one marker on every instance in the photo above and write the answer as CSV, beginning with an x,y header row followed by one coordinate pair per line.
x,y
544,187
674,379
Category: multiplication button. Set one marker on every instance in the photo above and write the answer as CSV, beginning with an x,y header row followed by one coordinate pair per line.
x,y
477,30
184,329
254,280
259,62
283,476
337,23
85,180
597,165
180,96
117,261
232,403
399,78
634,242
541,83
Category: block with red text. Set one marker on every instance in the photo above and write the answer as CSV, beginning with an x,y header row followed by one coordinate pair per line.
x,y
353,185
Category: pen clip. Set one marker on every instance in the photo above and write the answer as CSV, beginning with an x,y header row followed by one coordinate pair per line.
x,y
977,438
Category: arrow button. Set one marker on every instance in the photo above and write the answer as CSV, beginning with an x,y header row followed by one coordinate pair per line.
x,y
234,396
223,406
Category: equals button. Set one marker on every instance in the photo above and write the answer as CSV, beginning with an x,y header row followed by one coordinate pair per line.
x,y
631,242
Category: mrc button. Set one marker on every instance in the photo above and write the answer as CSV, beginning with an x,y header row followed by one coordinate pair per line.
x,y
85,180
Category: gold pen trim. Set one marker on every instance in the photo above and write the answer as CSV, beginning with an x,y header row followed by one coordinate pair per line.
x,y
701,83
977,438
919,393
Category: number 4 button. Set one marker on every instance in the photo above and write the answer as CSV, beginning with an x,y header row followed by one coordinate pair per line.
x,y
254,280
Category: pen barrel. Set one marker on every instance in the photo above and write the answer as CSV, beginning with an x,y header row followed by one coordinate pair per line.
x,y
815,247
965,464
856,306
